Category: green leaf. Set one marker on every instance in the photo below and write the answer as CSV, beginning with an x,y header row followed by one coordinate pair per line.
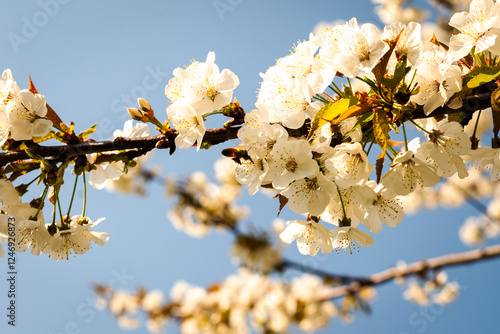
x,y
399,73
480,76
329,112
87,132
355,110
365,119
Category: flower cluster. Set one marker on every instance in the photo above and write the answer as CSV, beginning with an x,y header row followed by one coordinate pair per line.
x,y
243,303
57,240
195,92
318,163
22,112
437,290
203,205
108,171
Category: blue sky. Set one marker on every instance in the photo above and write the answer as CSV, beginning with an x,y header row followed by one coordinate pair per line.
x,y
90,58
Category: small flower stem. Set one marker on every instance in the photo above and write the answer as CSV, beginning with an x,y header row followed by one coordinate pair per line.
x,y
350,87
84,195
42,200
393,151
215,112
72,196
56,195
36,178
411,82
369,148
54,215
421,128
473,139
337,90
404,134
342,203
389,156
156,122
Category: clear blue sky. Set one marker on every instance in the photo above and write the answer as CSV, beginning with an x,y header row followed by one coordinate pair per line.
x,y
90,57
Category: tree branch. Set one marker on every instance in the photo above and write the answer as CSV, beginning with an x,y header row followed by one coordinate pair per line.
x,y
480,99
388,275
61,153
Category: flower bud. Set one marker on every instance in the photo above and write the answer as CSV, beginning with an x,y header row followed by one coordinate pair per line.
x,y
135,113
144,104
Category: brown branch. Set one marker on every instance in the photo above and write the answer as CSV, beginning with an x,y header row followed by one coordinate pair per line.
x,y
388,275
61,153
480,99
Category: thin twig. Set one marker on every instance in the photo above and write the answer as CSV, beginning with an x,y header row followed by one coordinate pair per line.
x,y
388,275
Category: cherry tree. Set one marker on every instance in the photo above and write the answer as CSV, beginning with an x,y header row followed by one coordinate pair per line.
x,y
355,129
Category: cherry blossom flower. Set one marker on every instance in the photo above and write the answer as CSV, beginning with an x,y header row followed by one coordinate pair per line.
x,y
310,236
479,28
291,160
448,294
349,203
260,140
74,235
288,99
30,232
486,156
360,48
437,80
8,195
409,44
188,121
444,148
409,173
417,294
348,236
310,194
385,209
4,127
26,115
107,172
202,83
349,164
252,172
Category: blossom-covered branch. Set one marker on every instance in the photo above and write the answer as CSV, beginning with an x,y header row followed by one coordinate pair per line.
x,y
419,267
61,153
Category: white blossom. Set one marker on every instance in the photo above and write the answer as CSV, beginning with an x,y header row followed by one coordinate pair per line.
x,y
310,236
349,237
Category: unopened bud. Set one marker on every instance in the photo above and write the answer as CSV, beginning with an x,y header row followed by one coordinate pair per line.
x,y
144,104
135,113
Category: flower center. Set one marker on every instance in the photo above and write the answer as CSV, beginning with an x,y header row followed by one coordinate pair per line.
x,y
291,165
212,93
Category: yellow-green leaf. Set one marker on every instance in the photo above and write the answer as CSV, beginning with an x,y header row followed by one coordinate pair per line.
x,y
381,128
480,76
381,131
356,110
87,132
329,112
